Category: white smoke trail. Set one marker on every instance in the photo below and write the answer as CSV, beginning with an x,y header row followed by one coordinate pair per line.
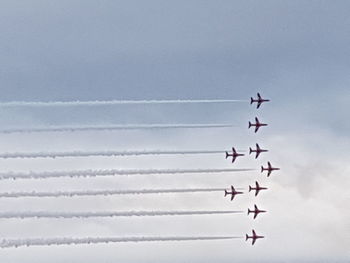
x,y
101,153
8,243
115,127
45,214
108,192
111,172
108,102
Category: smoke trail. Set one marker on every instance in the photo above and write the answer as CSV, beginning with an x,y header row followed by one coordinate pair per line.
x,y
115,127
102,153
8,243
111,172
108,192
108,102
44,214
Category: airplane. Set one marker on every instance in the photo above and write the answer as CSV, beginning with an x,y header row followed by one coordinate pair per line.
x,y
254,237
269,169
257,124
233,192
234,154
257,151
256,211
259,100
257,188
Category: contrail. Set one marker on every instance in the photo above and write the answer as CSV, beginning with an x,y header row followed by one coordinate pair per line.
x,y
8,243
108,192
108,102
115,127
111,172
102,153
66,215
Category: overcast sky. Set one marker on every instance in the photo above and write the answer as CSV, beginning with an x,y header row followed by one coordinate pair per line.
x,y
296,53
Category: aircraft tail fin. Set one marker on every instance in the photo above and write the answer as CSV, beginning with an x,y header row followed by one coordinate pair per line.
x,y
227,155
251,100
226,193
250,150
249,211
249,125
262,168
246,237
250,188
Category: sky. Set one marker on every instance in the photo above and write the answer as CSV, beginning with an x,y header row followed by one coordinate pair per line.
x,y
294,52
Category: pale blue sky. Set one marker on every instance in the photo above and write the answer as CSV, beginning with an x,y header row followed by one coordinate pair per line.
x,y
294,52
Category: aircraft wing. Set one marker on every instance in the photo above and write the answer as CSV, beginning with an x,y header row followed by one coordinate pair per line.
x,y
258,105
268,173
232,196
253,241
256,192
256,128
255,214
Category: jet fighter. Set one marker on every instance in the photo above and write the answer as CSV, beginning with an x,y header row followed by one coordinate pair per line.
x,y
269,169
259,100
256,211
257,188
233,193
257,124
257,151
234,154
254,237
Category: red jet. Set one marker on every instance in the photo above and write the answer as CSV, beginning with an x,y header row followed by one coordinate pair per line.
x,y
257,188
233,193
257,124
254,237
257,151
256,211
269,169
234,154
259,100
